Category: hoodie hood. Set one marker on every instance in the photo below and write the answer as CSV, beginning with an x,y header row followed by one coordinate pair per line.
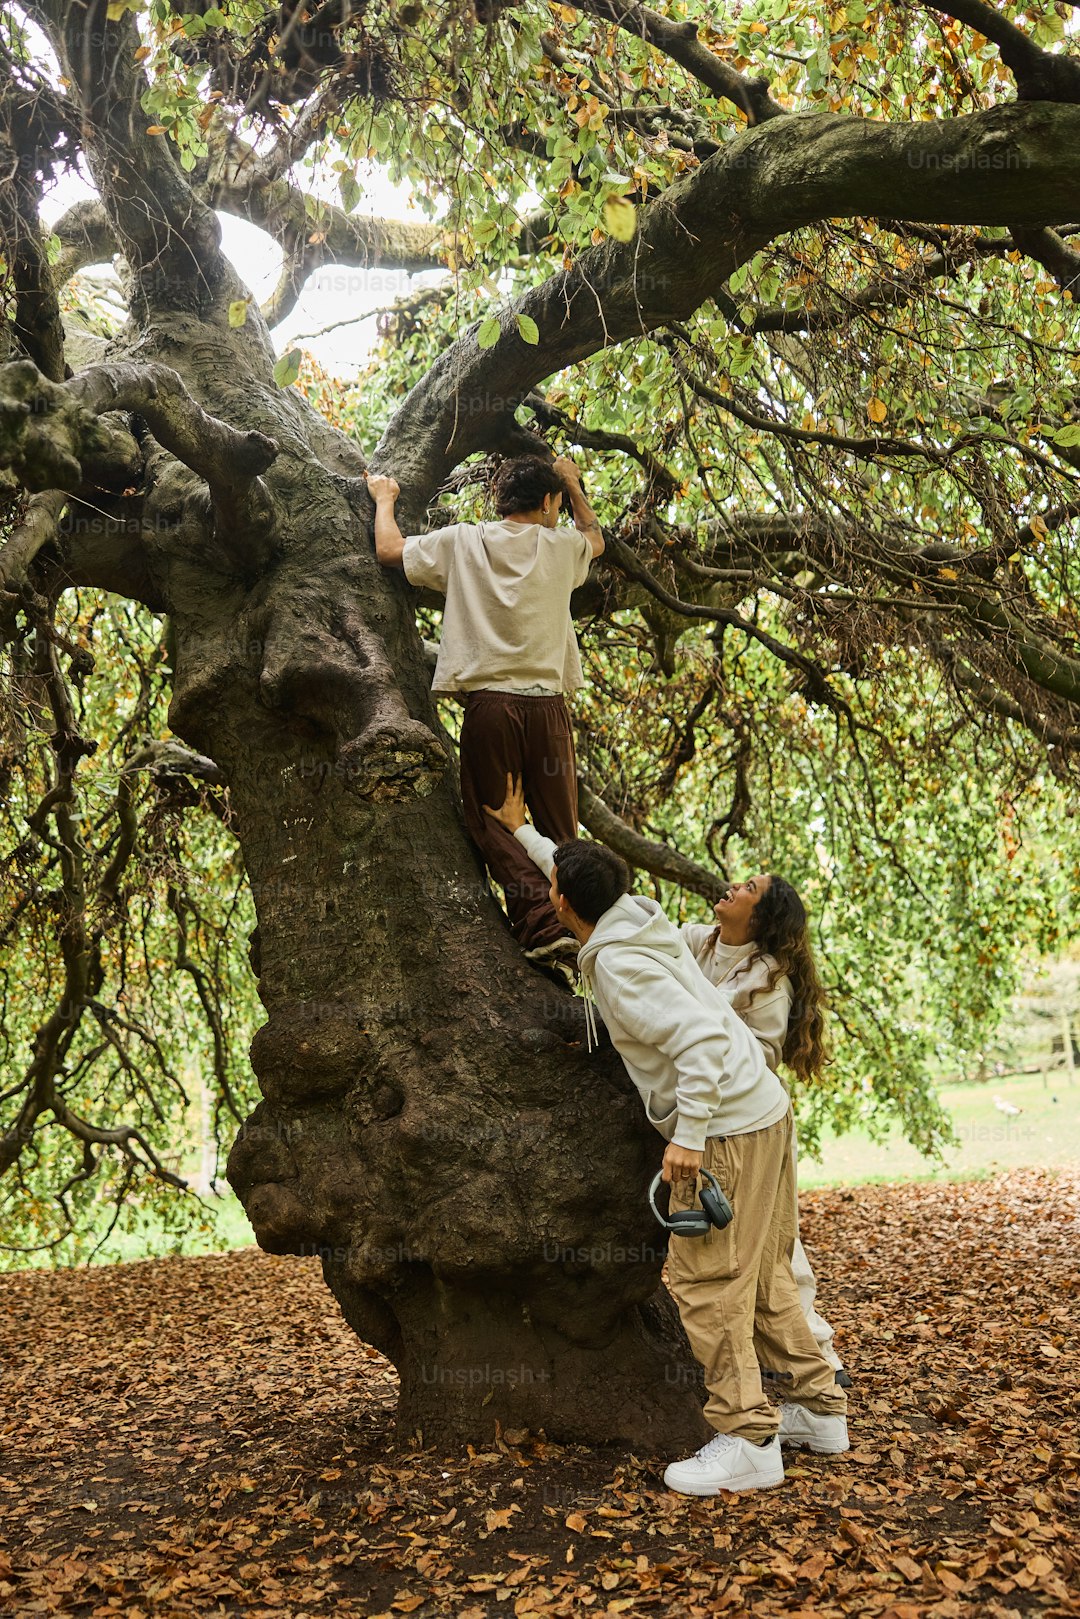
x,y
632,920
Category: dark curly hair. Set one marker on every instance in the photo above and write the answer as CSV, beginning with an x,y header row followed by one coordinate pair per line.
x,y
520,485
591,877
782,931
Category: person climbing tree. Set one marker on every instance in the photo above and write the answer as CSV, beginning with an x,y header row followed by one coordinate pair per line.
x,y
509,647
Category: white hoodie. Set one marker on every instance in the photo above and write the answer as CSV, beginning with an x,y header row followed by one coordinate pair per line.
x,y
743,978
698,1068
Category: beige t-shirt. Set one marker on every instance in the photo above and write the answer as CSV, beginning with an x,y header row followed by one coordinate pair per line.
x,y
506,626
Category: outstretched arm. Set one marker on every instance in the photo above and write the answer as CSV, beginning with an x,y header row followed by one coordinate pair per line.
x,y
389,540
584,517
511,812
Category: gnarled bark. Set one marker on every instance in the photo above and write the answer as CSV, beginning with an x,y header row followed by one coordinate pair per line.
x,y
433,1125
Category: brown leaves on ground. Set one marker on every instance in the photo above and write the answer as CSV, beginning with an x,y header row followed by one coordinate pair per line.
x,y
204,1437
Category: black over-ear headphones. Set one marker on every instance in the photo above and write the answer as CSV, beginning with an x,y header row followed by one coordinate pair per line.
x,y
714,1214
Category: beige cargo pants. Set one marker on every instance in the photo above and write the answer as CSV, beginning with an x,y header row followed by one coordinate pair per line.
x,y
736,1293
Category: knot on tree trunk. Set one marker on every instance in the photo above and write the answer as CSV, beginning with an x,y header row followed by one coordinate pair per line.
x,y
332,670
312,1049
264,1174
47,433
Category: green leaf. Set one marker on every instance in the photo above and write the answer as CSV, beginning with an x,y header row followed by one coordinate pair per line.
x,y
620,219
1068,437
530,331
238,312
351,191
489,333
116,8
287,369
1050,29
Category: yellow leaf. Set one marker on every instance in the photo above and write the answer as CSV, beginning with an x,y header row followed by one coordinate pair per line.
x,y
620,219
877,410
576,1522
500,1518
141,54
238,312
948,573
155,129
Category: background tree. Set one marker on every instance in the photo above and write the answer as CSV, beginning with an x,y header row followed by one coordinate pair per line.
x,y
801,284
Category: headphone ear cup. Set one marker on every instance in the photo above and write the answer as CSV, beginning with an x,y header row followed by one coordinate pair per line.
x,y
688,1223
716,1206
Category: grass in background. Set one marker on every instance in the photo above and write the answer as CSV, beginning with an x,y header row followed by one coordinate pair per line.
x,y
1045,1134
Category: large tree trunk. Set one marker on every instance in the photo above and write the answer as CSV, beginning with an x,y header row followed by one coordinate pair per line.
x,y
432,1124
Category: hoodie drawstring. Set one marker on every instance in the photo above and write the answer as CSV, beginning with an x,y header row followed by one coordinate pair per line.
x,y
591,1037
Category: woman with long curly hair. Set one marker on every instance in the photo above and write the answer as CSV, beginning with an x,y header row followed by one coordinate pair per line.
x,y
759,955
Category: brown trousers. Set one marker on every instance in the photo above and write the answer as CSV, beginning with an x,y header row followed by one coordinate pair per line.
x,y
529,737
736,1293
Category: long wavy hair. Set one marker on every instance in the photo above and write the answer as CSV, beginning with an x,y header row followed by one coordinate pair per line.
x,y
782,931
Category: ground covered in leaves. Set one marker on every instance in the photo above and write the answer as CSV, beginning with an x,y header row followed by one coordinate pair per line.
x,y
191,1437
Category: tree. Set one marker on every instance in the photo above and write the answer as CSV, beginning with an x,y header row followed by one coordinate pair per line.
x,y
757,262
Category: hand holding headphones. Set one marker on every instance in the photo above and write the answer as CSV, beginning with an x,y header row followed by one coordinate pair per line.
x,y
714,1214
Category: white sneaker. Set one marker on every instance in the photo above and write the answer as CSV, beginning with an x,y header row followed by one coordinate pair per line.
x,y
727,1463
798,1426
564,948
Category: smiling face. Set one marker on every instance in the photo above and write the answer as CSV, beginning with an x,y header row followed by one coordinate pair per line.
x,y
735,912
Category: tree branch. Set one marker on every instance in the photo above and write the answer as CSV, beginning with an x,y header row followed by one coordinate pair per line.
x,y
50,433
994,701
86,237
1047,248
785,174
645,853
680,42
244,182
170,238
549,417
229,460
1040,75
38,526
818,688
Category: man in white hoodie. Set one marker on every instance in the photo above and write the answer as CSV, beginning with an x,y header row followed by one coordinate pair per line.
x,y
706,1088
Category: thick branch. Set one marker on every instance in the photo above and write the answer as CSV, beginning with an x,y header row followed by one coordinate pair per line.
x,y
645,853
1009,165
171,239
243,182
37,528
228,459
1040,75
51,440
86,237
994,701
